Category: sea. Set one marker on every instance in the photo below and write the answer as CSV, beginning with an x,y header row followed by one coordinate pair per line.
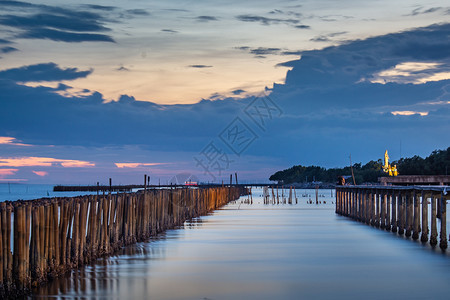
x,y
252,250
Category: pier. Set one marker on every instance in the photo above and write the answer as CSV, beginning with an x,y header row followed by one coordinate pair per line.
x,y
408,210
42,239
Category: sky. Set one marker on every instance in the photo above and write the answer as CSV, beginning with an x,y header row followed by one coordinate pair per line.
x,y
119,89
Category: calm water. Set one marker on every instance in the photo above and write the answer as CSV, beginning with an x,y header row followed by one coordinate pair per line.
x,y
16,191
299,251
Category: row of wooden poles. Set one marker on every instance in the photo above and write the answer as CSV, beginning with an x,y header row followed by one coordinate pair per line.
x,y
397,209
270,197
41,239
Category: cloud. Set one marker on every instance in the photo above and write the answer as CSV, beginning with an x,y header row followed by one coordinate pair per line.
x,y
5,140
40,173
413,72
7,172
43,72
37,21
264,51
138,12
421,10
169,30
326,37
42,162
8,49
3,41
199,66
122,68
136,165
206,18
302,26
60,22
266,21
64,36
238,92
299,52
100,7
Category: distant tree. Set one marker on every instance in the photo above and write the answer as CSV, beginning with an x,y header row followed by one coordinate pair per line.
x,y
438,163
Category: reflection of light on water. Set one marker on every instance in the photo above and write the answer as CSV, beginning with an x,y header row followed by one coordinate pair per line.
x,y
266,252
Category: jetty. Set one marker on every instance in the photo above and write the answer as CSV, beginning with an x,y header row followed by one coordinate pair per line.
x,y
45,238
412,210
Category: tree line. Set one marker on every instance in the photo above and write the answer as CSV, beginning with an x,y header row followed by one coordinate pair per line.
x,y
437,163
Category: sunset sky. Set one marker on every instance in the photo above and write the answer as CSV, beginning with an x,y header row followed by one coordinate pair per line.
x,y
120,89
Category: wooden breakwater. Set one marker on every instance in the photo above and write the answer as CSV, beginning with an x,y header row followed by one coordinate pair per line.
x,y
408,210
44,238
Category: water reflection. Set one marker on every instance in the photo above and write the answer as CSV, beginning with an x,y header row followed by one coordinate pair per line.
x,y
265,251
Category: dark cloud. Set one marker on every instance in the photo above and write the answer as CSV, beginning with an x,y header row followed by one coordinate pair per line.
x,y
3,41
169,30
320,38
266,21
16,4
238,92
264,51
100,7
421,10
52,21
302,26
8,49
122,68
64,36
287,13
206,18
39,21
326,37
42,72
291,52
138,12
199,66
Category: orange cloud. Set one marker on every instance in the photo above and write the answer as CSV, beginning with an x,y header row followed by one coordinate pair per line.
x,y
31,161
40,173
136,165
7,172
5,140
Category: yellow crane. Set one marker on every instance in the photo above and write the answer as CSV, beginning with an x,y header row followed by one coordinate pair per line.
x,y
387,168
